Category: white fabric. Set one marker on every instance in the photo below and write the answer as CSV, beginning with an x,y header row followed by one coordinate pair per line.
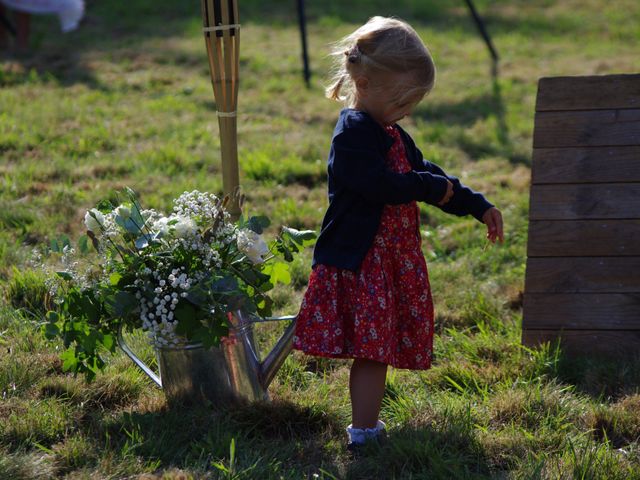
x,y
361,435
70,12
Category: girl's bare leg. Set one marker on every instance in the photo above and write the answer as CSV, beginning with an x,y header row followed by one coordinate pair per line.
x,y
366,384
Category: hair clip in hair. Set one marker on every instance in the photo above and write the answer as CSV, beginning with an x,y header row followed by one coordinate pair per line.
x,y
353,55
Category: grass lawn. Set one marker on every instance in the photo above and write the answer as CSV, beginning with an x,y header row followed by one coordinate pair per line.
x,y
126,100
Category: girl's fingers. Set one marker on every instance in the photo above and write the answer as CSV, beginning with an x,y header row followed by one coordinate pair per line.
x,y
498,226
494,226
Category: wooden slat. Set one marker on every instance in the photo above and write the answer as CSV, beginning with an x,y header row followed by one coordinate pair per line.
x,y
581,202
585,165
588,342
584,238
610,311
588,93
583,274
587,128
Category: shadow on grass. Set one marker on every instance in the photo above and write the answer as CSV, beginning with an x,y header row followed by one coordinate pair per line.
x,y
468,111
111,25
263,432
449,451
599,376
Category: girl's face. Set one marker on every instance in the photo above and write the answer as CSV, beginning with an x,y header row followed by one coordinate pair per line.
x,y
384,101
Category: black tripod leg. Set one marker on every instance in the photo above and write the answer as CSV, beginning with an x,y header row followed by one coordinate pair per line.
x,y
303,34
7,24
483,30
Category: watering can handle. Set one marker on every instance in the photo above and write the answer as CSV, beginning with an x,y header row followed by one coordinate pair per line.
x,y
143,366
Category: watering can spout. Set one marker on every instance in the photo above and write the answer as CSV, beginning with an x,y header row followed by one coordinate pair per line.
x,y
276,357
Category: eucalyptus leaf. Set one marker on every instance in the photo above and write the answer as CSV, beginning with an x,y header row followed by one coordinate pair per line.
x,y
65,275
143,241
225,284
121,304
304,238
83,244
258,223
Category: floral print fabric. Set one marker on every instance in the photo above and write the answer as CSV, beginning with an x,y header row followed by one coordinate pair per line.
x,y
382,312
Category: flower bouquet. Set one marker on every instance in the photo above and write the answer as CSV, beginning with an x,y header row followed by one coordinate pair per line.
x,y
175,276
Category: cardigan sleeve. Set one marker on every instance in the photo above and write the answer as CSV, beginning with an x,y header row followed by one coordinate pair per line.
x,y
464,201
356,163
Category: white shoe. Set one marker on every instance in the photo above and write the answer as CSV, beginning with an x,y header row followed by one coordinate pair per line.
x,y
361,435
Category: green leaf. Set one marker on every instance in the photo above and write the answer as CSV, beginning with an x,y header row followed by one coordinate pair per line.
x,y
304,238
65,275
109,342
258,223
54,246
83,244
288,256
51,331
82,305
278,273
64,241
115,278
185,311
188,323
121,304
69,360
104,206
197,296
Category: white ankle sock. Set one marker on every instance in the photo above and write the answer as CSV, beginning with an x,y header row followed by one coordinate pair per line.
x,y
361,435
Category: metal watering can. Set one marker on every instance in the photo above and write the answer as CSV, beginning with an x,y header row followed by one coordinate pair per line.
x,y
229,373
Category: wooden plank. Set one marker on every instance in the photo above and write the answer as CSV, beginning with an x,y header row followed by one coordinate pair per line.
x,y
583,238
587,342
610,311
587,128
581,202
588,93
583,274
585,165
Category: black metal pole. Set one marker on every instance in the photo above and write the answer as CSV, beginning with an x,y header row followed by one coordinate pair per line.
x,y
303,33
7,24
483,31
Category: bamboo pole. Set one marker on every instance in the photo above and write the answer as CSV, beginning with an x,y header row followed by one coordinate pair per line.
x,y
222,38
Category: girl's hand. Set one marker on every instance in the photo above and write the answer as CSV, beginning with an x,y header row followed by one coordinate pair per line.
x,y
448,194
493,219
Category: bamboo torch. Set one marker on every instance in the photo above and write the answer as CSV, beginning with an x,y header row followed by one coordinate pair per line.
x,y
222,38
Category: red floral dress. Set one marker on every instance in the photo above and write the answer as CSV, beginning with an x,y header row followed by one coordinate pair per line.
x,y
382,312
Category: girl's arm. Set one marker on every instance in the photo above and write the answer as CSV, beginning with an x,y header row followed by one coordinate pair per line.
x,y
356,163
464,201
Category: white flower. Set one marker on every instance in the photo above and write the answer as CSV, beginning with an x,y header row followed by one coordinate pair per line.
x,y
123,211
185,227
94,220
161,226
252,245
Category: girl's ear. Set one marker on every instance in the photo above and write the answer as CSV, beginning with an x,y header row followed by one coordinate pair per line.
x,y
362,85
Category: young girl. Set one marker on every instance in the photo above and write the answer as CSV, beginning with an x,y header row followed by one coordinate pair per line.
x,y
368,296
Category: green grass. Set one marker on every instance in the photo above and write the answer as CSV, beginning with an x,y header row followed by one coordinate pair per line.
x,y
127,100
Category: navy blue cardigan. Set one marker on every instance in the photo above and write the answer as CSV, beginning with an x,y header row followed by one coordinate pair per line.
x,y
360,185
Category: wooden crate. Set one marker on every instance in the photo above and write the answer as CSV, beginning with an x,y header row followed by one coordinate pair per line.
x,y
582,279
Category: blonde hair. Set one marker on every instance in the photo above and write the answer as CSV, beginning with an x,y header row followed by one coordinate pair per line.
x,y
382,45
